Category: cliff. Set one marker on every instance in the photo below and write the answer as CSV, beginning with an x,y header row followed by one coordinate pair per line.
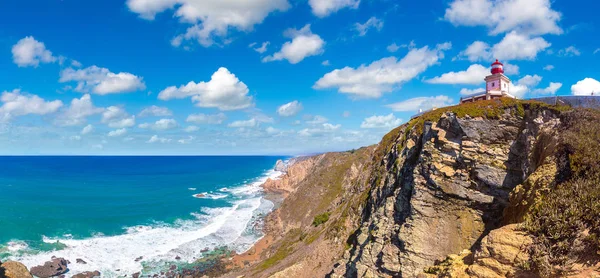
x,y
499,188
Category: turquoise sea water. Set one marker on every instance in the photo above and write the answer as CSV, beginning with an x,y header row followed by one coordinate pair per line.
x,y
111,210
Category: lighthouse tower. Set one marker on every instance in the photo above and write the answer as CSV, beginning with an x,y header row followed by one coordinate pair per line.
x,y
497,85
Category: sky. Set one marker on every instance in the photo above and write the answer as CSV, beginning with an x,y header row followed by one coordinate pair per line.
x,y
268,77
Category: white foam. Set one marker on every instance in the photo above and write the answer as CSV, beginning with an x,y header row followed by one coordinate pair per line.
x,y
16,245
192,188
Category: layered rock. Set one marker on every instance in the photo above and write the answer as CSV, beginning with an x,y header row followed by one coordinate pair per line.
x,y
439,191
295,172
51,268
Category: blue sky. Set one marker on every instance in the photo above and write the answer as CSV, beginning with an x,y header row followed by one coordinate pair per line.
x,y
268,76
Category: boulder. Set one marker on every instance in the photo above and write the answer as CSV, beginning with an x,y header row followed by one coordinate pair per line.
x,y
54,267
87,274
80,261
12,269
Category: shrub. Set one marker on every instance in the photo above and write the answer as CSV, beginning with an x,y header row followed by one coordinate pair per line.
x,y
320,219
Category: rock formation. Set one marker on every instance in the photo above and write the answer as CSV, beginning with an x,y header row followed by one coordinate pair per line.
x,y
12,269
51,268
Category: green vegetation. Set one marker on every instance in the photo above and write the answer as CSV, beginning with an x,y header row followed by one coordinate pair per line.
x,y
320,219
566,224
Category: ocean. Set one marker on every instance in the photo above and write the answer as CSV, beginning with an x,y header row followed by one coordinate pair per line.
x,y
110,211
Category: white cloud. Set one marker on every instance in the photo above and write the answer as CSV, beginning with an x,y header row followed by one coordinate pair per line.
x,y
289,109
248,123
393,48
319,131
316,120
326,63
78,111
373,22
117,117
75,138
323,8
586,87
532,17
418,103
210,19
87,129
382,76
156,139
550,90
213,119
118,132
596,51
102,81
549,67
15,103
272,131
346,114
475,74
511,69
186,140
524,85
30,52
303,44
262,48
467,92
224,91
156,111
513,46
75,63
569,52
162,124
191,128
388,122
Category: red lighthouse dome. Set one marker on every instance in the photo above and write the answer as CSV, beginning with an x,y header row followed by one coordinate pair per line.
x,y
497,67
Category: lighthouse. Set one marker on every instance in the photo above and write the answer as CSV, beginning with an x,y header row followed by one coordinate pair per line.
x,y
497,85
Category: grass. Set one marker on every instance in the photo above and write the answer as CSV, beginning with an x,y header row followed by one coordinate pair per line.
x,y
566,224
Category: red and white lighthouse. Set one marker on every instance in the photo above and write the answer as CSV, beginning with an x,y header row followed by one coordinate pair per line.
x,y
497,85
497,67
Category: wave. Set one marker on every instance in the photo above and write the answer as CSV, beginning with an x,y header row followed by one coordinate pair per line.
x,y
214,196
233,227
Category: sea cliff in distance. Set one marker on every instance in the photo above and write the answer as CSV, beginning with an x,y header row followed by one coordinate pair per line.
x,y
502,188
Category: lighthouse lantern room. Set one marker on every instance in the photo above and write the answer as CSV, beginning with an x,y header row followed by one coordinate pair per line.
x,y
497,86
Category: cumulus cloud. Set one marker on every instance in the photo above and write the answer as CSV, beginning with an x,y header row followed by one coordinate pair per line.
x,y
316,120
323,8
372,23
393,48
224,91
570,51
187,140
303,44
16,103
326,63
28,52
549,67
117,117
87,129
319,131
421,103
213,119
155,111
78,112
532,17
162,124
102,81
524,85
550,90
475,74
289,109
382,76
513,46
156,139
247,123
118,132
387,122
209,19
586,87
191,128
